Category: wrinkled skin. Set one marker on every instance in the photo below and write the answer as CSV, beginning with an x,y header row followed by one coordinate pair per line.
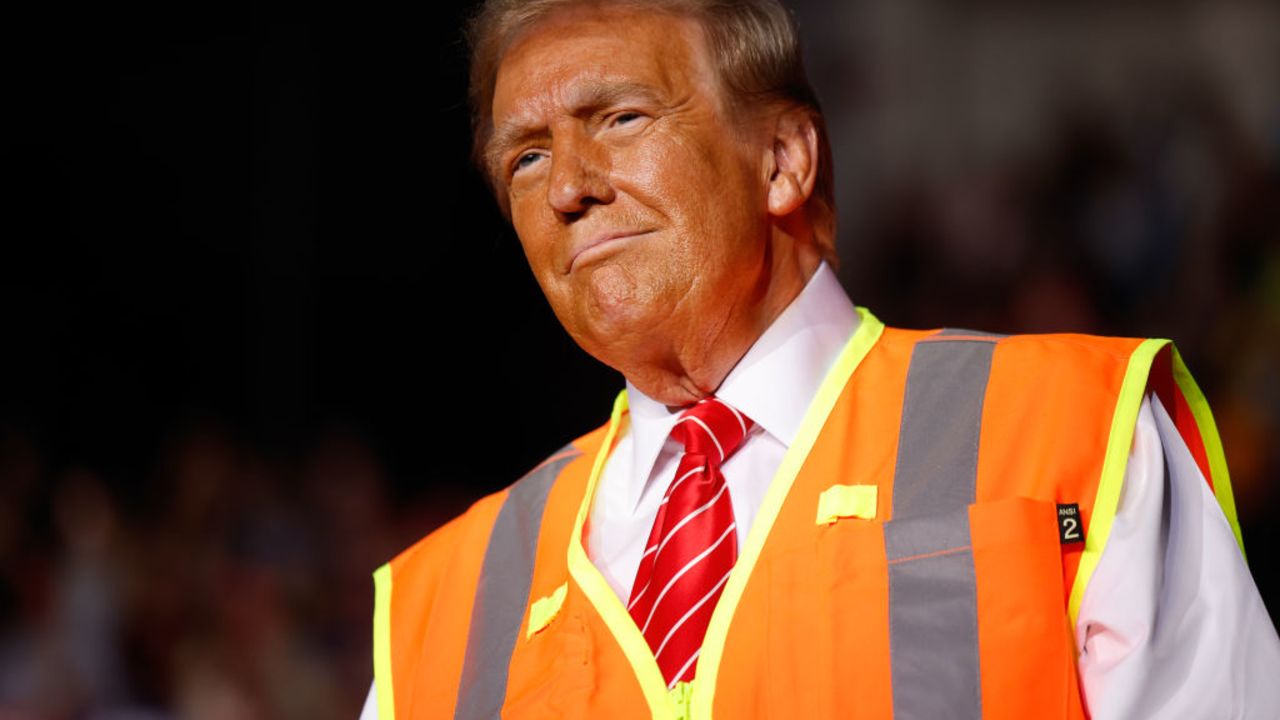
x,y
666,228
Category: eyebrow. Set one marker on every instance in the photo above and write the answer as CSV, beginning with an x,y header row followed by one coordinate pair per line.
x,y
582,100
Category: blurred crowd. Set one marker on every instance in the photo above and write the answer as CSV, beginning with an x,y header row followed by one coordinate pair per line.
x,y
225,585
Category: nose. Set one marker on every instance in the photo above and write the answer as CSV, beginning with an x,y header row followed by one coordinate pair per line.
x,y
579,177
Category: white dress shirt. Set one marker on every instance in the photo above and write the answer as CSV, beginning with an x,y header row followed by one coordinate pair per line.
x,y
1171,624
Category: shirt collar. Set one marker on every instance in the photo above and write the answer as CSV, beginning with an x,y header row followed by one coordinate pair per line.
x,y
774,381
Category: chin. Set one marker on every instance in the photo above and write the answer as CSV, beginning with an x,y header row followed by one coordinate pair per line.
x,y
619,330
613,316
616,336
614,304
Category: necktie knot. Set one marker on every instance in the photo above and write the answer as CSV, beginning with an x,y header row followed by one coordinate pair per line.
x,y
711,428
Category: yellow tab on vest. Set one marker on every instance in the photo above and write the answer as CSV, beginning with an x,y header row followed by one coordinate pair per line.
x,y
545,609
846,501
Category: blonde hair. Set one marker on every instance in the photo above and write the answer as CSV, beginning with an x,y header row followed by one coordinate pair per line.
x,y
755,50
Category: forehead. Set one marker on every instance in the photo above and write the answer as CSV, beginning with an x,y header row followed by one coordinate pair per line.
x,y
577,51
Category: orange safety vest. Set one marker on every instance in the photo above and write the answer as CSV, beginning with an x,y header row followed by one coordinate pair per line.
x,y
915,556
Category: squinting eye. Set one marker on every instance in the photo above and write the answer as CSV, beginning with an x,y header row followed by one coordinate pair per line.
x,y
526,160
626,117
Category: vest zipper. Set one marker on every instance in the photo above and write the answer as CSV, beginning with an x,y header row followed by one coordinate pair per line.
x,y
681,695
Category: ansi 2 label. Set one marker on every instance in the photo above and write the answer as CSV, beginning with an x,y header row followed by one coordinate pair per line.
x,y
1070,529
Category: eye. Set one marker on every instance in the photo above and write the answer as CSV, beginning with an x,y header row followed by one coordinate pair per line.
x,y
524,160
624,118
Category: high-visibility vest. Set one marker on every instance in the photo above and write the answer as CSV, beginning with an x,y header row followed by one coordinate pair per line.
x,y
921,552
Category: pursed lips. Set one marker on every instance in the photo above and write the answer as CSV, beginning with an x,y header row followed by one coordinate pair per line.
x,y
599,245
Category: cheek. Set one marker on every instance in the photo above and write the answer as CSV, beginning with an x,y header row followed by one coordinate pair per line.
x,y
705,181
674,180
666,170
536,238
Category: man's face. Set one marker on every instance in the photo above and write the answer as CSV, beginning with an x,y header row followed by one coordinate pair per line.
x,y
639,199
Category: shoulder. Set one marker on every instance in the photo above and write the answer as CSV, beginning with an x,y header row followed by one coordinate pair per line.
x,y
1109,367
1053,346
1078,353
468,533
451,543
1042,360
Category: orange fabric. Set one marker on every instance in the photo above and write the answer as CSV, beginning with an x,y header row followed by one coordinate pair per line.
x,y
430,617
1079,377
810,635
1027,660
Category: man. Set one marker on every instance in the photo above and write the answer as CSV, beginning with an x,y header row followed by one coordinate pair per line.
x,y
795,511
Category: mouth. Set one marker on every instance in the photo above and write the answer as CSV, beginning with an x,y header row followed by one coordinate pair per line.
x,y
601,246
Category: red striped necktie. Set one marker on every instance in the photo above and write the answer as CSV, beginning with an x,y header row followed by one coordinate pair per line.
x,y
693,544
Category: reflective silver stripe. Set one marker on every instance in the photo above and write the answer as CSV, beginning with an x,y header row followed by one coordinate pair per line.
x,y
933,607
933,619
503,591
937,461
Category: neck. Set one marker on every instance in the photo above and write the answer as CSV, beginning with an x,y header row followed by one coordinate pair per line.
x,y
695,367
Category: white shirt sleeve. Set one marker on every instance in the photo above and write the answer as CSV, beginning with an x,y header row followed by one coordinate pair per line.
x,y
1171,624
370,711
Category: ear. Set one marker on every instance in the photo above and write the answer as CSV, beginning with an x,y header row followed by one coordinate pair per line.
x,y
794,161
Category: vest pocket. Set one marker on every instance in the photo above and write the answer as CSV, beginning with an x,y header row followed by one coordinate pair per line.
x,y
1028,662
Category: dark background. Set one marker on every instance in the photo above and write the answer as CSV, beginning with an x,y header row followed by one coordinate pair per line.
x,y
264,325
